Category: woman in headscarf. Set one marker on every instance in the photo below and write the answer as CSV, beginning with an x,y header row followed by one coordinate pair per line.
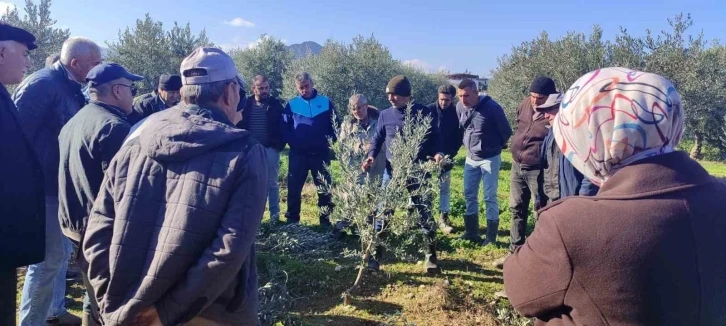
x,y
650,247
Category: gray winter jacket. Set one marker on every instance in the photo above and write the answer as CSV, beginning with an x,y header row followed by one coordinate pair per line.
x,y
175,221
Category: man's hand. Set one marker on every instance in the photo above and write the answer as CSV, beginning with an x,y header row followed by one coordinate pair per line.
x,y
438,158
367,164
147,317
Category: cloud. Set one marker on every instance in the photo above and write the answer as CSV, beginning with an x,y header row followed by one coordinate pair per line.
x,y
418,63
5,6
240,22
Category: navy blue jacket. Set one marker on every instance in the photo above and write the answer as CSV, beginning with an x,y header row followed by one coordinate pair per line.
x,y
46,101
486,129
571,181
22,197
308,123
146,106
449,130
392,119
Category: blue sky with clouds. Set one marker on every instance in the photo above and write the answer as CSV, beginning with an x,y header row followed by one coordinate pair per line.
x,y
435,34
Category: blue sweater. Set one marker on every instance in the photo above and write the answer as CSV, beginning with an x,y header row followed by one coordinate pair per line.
x,y
308,123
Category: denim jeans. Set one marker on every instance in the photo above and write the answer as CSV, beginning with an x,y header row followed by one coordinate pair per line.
x,y
273,189
46,281
487,172
445,192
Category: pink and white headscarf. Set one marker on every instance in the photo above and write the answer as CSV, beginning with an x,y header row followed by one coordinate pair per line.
x,y
612,117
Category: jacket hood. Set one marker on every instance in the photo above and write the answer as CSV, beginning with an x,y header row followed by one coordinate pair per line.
x,y
176,134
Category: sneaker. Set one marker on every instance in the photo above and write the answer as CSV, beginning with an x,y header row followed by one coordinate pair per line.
x,y
64,319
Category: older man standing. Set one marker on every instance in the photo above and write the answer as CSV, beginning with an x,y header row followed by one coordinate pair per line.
x,y
46,100
88,142
262,116
166,96
189,192
307,125
22,212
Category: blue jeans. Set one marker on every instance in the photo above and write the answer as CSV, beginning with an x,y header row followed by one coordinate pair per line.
x,y
273,190
487,172
45,283
445,192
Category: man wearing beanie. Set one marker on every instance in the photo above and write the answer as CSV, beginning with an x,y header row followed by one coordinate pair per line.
x,y
389,122
527,170
166,96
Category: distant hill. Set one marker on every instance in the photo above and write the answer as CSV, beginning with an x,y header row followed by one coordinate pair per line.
x,y
301,50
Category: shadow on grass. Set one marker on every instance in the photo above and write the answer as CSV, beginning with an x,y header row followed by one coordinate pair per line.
x,y
337,320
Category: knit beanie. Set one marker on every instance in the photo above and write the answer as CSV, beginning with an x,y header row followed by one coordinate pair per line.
x,y
543,86
399,85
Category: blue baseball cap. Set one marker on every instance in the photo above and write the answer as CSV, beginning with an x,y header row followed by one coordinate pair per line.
x,y
108,71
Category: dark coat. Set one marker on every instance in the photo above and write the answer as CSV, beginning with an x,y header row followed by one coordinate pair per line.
x,y
175,221
46,100
22,197
390,124
306,127
449,130
486,129
561,179
529,136
648,249
274,121
88,142
146,106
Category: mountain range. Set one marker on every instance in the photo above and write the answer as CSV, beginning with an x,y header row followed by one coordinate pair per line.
x,y
302,50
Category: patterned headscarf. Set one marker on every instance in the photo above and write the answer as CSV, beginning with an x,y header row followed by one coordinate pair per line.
x,y
612,117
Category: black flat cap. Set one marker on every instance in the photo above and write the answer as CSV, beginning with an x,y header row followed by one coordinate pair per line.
x,y
12,33
170,82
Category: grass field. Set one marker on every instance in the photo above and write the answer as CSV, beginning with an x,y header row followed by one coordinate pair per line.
x,y
401,294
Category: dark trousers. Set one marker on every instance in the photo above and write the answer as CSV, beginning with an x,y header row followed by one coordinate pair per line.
x,y
524,184
300,164
422,205
8,291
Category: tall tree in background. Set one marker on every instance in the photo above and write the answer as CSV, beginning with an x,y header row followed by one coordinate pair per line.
x,y
148,50
37,20
270,57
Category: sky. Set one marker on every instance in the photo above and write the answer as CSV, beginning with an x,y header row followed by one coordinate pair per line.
x,y
435,35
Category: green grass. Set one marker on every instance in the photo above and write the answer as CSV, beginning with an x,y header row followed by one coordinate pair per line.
x,y
401,294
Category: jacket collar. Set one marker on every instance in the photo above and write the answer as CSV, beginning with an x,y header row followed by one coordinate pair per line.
x,y
111,108
66,76
315,93
209,112
658,174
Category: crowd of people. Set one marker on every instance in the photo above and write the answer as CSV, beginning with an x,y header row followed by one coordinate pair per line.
x,y
164,194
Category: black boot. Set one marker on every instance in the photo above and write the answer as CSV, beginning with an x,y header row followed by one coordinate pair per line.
x,y
471,228
444,223
431,262
325,221
492,228
338,230
374,259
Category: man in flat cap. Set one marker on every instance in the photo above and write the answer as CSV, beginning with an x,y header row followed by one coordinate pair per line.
x,y
166,96
22,197
188,192
88,142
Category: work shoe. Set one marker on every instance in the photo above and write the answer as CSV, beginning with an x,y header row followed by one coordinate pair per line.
x,y
492,228
445,224
64,319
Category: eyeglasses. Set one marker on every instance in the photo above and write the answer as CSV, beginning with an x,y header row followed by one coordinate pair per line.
x,y
131,87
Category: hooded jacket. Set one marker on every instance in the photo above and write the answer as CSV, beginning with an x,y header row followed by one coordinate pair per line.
x,y
175,221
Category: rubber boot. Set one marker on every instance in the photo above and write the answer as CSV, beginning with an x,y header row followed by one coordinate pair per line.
x,y
431,262
444,223
325,221
374,260
338,230
492,228
471,228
